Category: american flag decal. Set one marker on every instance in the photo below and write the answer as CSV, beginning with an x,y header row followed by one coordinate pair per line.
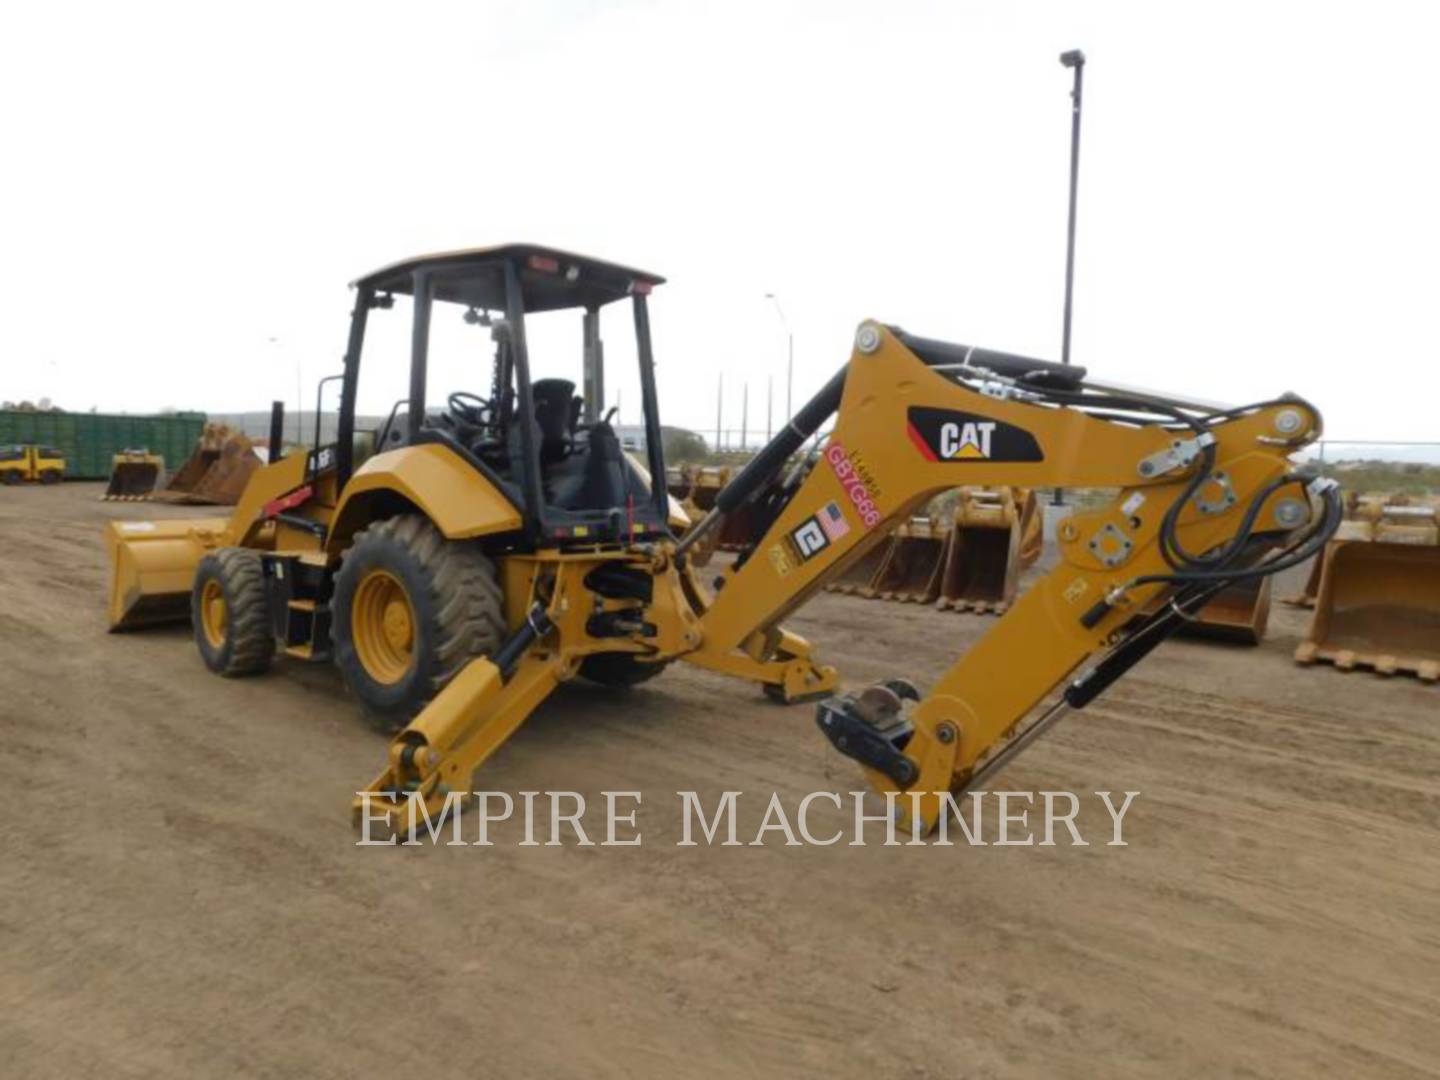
x,y
832,520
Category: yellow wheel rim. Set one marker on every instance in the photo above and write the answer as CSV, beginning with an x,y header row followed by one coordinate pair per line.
x,y
382,626
212,613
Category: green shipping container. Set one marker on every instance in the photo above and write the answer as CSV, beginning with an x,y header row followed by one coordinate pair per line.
x,y
89,440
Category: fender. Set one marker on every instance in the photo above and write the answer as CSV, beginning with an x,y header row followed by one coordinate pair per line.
x,y
461,502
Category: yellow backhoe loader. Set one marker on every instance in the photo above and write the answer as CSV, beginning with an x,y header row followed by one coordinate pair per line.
x,y
134,475
29,462
490,551
1377,595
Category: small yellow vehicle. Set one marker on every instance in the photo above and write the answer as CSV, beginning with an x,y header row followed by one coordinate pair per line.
x,y
43,464
501,544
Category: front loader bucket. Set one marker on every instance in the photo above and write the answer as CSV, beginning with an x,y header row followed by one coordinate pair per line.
x,y
982,567
1378,607
152,566
917,558
1239,613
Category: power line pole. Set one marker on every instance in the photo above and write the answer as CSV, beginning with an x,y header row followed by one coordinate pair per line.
x,y
744,415
719,411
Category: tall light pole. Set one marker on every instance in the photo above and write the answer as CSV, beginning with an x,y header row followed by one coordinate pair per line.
x,y
769,407
790,359
1075,61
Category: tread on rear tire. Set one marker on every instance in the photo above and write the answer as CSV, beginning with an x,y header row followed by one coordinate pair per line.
x,y
456,608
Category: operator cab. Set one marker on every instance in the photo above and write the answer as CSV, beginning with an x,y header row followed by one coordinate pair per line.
x,y
547,443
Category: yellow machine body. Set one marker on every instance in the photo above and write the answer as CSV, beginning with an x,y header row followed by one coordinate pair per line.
x,y
1377,603
874,480
905,430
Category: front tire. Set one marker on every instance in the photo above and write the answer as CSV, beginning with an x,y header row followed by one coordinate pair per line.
x,y
411,609
229,614
50,476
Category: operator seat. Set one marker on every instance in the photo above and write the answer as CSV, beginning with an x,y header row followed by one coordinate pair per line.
x,y
557,411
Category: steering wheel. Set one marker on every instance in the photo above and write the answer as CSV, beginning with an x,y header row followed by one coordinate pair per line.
x,y
468,408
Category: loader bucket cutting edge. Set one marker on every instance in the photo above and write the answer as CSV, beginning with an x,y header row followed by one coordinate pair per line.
x,y
1379,607
152,566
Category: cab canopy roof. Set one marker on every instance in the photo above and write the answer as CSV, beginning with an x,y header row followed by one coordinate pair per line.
x,y
549,279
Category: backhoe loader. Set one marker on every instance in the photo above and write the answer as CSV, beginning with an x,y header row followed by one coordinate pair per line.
x,y
491,550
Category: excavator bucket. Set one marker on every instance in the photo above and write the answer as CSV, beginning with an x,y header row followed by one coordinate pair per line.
x,y
216,473
1307,596
858,579
1032,526
1379,600
993,527
912,571
1240,613
134,475
152,566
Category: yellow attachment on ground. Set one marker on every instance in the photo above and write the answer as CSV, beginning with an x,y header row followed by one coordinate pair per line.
x,y
996,535
216,473
915,562
1238,613
152,567
966,555
134,475
1378,602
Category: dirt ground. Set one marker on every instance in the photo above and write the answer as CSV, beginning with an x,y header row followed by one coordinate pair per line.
x,y
181,894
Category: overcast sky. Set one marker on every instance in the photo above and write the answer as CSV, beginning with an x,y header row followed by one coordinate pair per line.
x,y
189,188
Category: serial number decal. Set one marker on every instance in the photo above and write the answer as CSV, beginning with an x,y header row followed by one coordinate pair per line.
x,y
860,487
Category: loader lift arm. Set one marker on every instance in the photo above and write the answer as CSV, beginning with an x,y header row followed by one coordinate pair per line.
x,y
1206,496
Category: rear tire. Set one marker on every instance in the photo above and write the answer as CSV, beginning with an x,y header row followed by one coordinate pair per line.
x,y
410,610
229,613
619,669
12,476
